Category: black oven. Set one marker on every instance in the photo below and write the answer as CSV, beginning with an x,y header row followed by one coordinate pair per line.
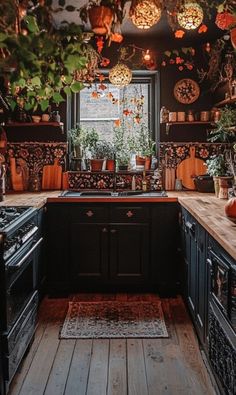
x,y
20,244
21,273
223,283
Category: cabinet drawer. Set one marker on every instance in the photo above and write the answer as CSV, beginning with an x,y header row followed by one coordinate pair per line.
x,y
129,214
89,213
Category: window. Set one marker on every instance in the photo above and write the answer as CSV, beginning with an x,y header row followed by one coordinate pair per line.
x,y
103,106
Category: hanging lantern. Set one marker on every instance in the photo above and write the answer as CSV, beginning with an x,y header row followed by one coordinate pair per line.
x,y
120,75
191,17
144,14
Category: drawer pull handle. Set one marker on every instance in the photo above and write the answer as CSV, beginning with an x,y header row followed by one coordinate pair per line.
x,y
129,214
89,213
113,231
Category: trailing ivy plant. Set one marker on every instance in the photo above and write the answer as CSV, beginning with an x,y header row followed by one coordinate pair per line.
x,y
40,63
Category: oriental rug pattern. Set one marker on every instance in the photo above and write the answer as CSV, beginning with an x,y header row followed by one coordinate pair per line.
x,y
114,319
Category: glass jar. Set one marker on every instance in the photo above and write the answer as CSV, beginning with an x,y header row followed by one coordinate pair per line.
x,y
34,183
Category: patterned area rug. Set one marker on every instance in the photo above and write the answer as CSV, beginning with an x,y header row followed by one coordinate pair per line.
x,y
114,319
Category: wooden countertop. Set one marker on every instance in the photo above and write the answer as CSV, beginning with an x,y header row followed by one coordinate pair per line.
x,y
205,207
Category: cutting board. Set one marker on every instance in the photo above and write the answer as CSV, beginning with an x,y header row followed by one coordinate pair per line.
x,y
17,179
169,179
190,168
52,176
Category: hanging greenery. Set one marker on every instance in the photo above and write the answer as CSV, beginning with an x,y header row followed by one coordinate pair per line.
x,y
41,64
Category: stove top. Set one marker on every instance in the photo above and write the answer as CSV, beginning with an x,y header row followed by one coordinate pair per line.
x,y
9,214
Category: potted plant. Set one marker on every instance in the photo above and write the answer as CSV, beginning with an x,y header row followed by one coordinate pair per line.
x,y
225,127
98,154
123,159
216,167
40,63
75,138
121,147
145,147
109,152
103,15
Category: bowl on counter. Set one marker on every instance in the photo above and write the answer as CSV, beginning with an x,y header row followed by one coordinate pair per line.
x,y
204,183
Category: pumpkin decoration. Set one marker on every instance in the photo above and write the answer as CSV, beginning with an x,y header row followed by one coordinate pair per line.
x,y
230,208
224,20
233,37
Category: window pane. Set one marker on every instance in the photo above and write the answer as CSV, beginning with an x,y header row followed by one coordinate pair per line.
x,y
104,107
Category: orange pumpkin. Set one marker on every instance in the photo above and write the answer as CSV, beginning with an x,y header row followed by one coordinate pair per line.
x,y
233,37
230,208
224,20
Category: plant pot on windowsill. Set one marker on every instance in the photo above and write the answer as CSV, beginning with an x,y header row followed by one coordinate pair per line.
x,y
123,167
144,161
110,164
100,18
96,164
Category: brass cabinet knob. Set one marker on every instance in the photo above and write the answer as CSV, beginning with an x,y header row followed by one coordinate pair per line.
x,y
129,214
89,213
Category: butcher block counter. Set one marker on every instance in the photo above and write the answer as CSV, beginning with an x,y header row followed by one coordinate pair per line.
x,y
205,207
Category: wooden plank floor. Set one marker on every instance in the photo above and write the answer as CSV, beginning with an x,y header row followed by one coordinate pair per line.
x,y
168,366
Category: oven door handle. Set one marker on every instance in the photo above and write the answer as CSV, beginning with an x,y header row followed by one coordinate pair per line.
x,y
20,263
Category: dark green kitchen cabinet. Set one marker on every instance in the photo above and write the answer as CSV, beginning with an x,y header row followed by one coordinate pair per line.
x,y
108,245
194,242
57,248
41,269
165,247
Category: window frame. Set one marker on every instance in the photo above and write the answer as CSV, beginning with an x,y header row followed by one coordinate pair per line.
x,y
139,76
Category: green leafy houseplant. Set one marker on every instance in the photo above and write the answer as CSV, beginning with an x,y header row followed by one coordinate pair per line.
x,y
41,64
216,166
145,144
225,127
99,150
88,140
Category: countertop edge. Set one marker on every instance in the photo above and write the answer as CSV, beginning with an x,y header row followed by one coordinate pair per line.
x,y
205,207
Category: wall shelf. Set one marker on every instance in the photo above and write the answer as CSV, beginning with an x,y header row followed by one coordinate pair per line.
x,y
226,101
169,124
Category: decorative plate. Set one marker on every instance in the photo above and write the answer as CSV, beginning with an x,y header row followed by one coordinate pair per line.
x,y
186,91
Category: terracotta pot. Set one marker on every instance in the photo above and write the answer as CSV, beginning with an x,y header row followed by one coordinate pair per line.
x,y
140,160
110,164
233,37
144,161
96,164
225,183
100,18
148,162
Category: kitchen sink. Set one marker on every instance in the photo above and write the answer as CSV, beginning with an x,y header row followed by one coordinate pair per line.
x,y
71,193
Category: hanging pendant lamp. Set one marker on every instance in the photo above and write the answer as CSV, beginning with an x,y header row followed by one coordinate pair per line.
x,y
191,16
120,75
145,13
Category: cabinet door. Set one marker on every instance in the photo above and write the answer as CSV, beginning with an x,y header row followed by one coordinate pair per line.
x,y
201,285
165,243
191,261
57,247
129,253
88,248
41,269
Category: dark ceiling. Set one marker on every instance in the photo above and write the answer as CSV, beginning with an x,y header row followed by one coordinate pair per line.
x,y
161,36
